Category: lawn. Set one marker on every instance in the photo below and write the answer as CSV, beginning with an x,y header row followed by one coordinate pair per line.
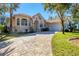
x,y
61,45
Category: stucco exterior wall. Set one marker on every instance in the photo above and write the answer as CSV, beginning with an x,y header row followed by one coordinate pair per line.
x,y
21,28
39,21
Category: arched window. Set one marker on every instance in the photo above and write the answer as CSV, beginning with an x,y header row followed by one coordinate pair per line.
x,y
24,21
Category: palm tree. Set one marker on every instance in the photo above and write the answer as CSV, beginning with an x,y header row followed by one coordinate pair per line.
x,y
3,8
60,9
11,9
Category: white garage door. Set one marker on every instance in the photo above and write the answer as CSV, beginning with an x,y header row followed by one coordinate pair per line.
x,y
55,27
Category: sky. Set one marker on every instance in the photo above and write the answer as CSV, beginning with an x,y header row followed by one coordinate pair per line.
x,y
32,9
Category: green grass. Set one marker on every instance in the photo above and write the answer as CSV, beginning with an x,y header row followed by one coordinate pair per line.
x,y
61,45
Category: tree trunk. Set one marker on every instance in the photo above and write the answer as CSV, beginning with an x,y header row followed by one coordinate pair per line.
x,y
62,21
11,18
62,26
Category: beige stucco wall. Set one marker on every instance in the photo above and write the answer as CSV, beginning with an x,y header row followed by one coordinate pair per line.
x,y
21,28
40,21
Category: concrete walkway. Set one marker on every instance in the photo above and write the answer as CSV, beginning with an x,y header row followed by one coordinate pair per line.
x,y
38,44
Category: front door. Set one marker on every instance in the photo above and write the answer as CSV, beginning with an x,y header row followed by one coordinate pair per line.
x,y
36,25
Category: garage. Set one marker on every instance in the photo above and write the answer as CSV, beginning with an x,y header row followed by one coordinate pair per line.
x,y
54,25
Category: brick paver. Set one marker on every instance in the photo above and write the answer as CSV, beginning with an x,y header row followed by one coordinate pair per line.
x,y
37,45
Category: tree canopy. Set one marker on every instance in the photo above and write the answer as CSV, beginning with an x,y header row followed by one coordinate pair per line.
x,y
60,9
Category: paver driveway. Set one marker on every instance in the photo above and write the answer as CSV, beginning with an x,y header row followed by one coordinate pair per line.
x,y
38,44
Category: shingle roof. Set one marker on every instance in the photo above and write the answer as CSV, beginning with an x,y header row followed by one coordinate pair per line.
x,y
53,21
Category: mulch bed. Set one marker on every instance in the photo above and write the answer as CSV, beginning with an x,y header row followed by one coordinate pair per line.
x,y
74,38
75,41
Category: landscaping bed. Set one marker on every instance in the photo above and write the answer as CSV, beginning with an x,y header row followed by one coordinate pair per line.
x,y
75,41
61,45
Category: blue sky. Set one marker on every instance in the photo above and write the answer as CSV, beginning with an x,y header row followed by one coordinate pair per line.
x,y
32,9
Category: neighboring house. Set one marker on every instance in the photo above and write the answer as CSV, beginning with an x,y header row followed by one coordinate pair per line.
x,y
68,22
76,22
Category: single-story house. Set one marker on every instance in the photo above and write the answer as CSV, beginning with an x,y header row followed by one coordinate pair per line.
x,y
26,23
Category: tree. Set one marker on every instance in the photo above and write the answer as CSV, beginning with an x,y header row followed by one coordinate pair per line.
x,y
60,9
50,18
75,13
3,9
11,8
75,10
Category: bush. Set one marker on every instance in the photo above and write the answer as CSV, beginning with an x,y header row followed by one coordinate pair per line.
x,y
66,30
1,27
6,29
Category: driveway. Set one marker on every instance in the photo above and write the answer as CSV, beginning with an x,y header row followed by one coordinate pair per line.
x,y
35,44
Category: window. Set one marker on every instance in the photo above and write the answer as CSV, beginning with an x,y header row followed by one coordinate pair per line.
x,y
23,22
18,21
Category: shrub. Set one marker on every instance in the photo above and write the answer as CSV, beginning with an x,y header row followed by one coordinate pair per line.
x,y
6,29
1,27
66,30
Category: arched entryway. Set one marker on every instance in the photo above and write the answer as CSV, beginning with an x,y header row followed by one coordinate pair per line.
x,y
36,24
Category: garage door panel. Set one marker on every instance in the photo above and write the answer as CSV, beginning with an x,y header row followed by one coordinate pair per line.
x,y
55,27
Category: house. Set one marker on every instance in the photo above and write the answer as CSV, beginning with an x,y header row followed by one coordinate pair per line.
x,y
26,23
